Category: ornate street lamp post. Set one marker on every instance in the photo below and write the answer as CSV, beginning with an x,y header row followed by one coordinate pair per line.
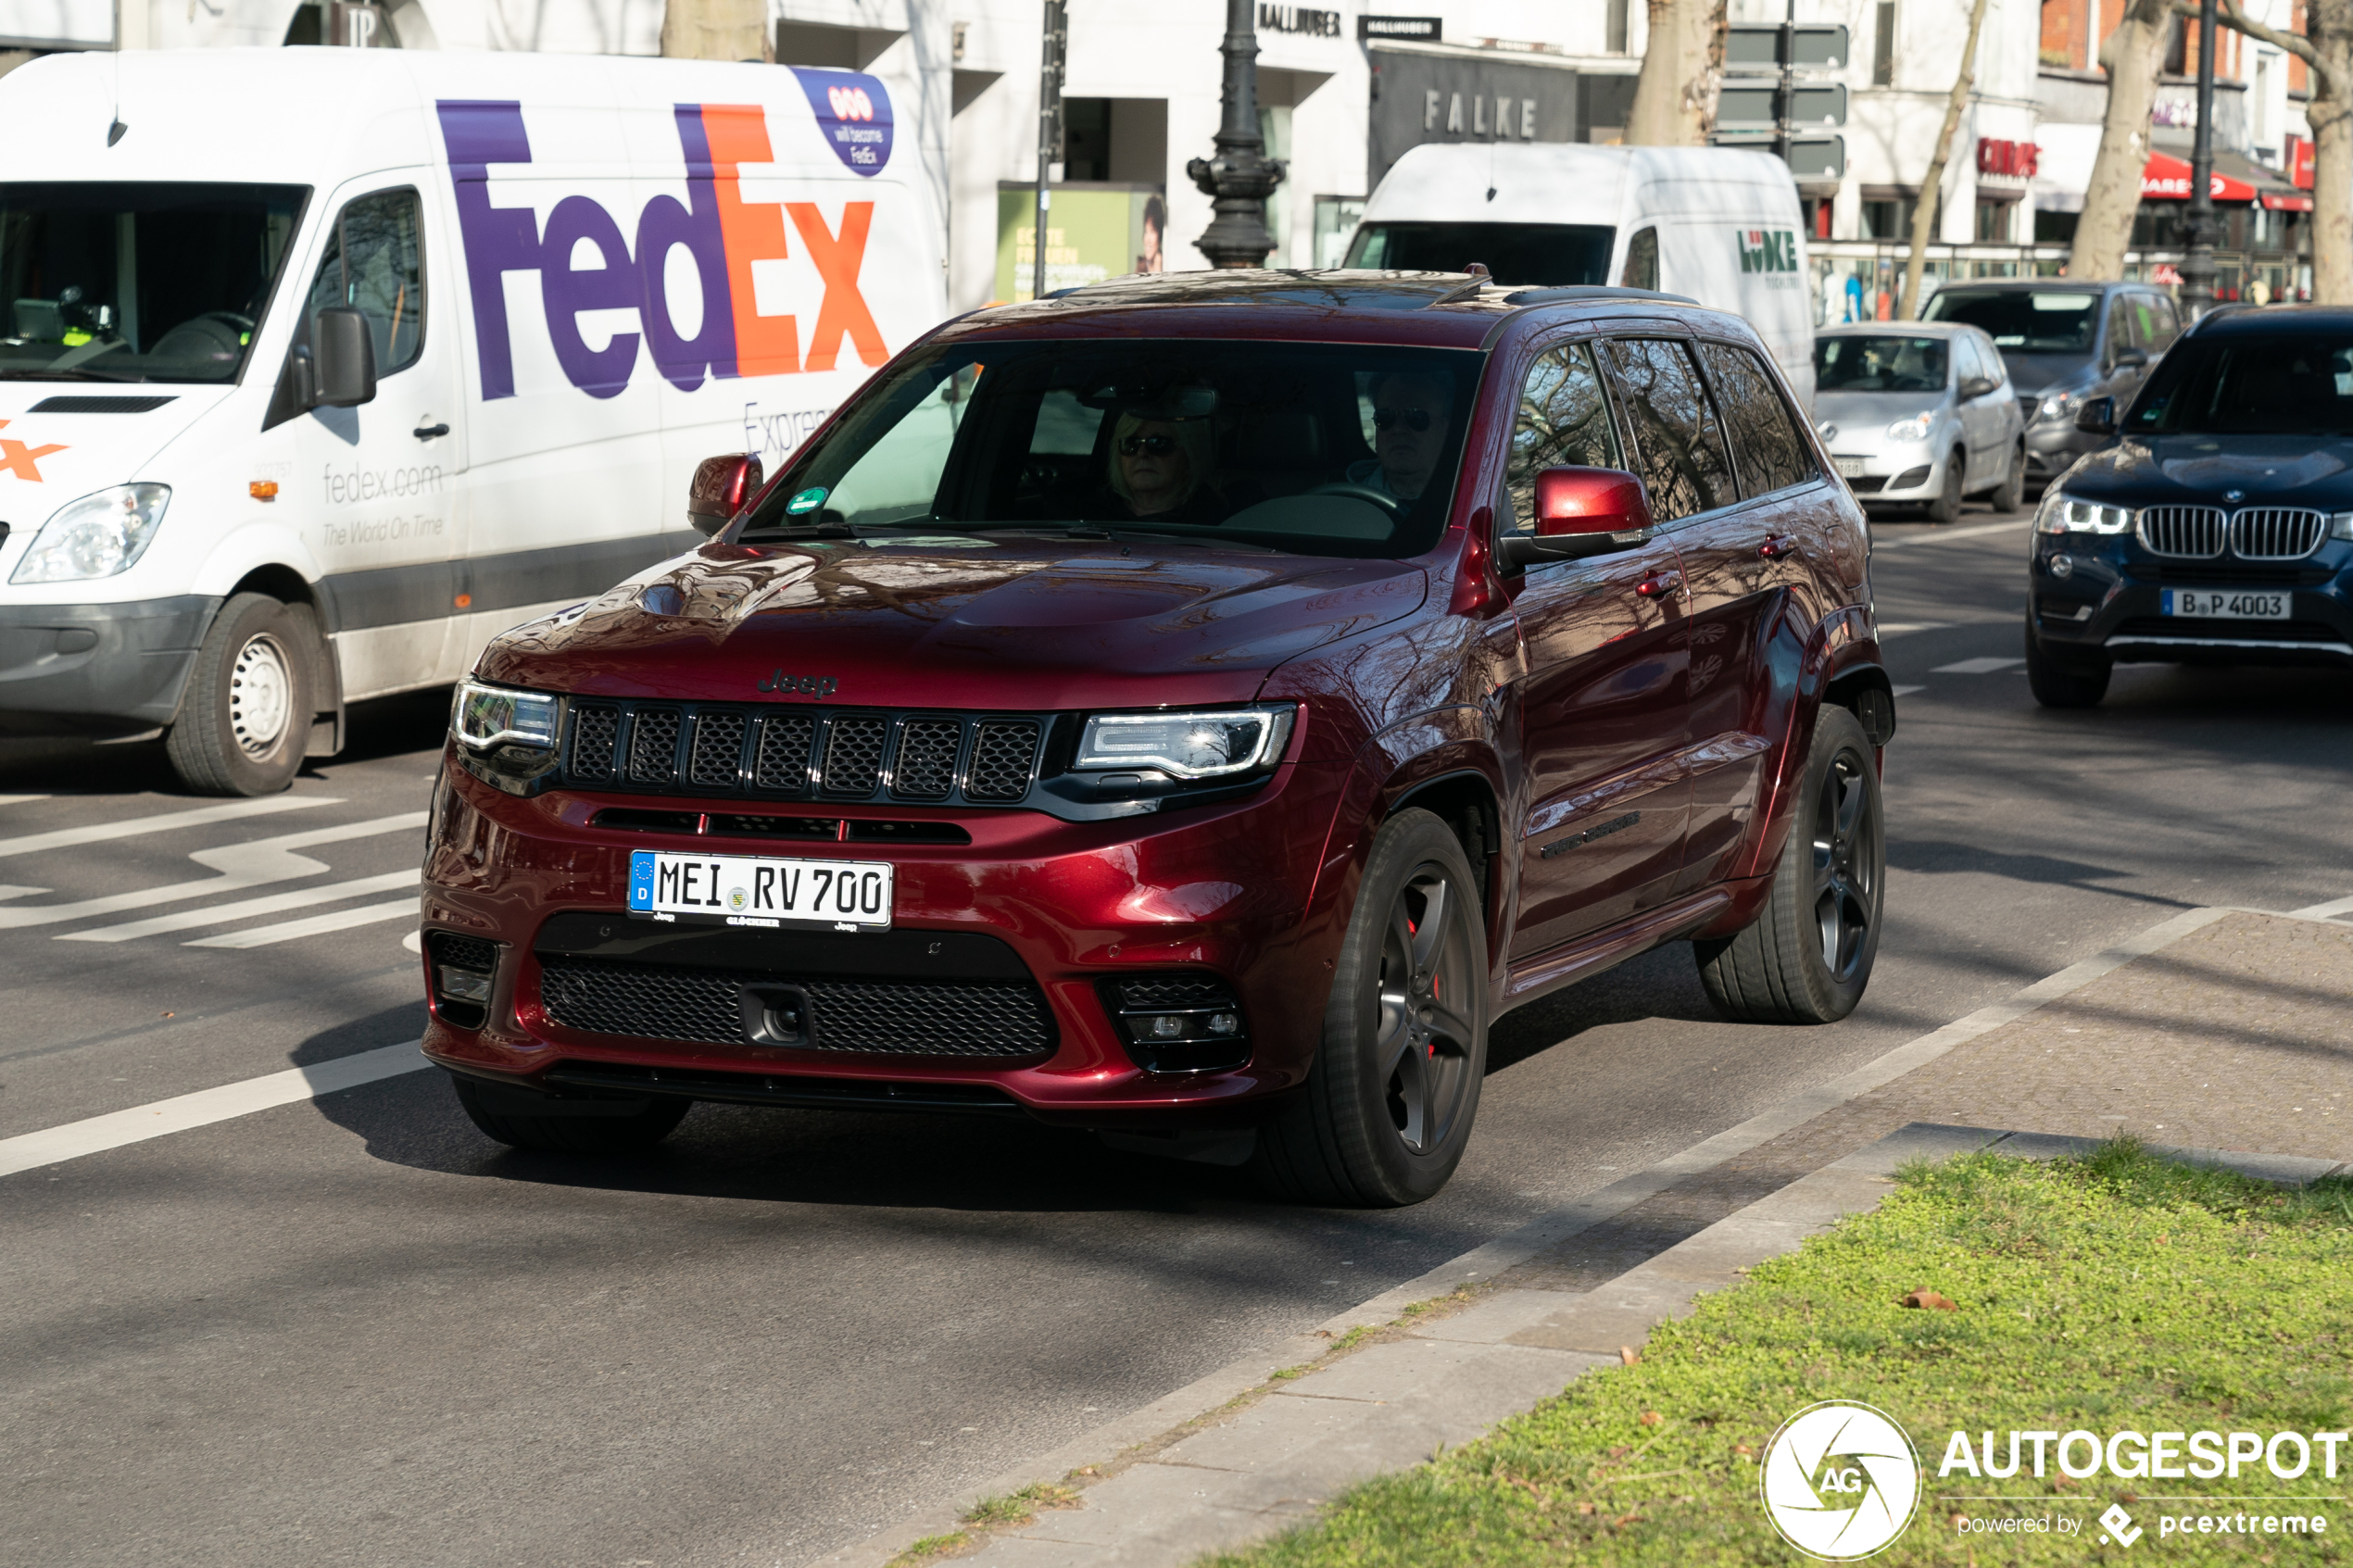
x,y
2197,264
1241,176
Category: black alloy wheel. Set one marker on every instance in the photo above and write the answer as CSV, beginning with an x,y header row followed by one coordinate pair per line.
x,y
1847,861
1389,1100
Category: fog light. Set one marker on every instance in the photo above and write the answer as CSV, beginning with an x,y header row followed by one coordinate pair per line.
x,y
2062,566
1185,1021
459,985
1225,1024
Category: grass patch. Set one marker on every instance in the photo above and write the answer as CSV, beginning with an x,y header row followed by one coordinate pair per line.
x,y
1020,1507
2117,1291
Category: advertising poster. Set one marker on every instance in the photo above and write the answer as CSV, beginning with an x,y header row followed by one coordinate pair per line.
x,y
1093,232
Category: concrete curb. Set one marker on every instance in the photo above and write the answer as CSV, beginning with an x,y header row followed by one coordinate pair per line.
x,y
1106,1443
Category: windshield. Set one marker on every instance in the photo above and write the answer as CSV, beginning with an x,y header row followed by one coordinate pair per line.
x,y
1322,450
1879,364
138,281
2028,320
1548,255
2301,385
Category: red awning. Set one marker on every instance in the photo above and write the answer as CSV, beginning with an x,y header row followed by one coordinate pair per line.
x,y
2280,203
2167,178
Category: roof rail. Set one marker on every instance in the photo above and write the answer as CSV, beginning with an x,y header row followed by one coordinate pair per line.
x,y
1480,279
1573,293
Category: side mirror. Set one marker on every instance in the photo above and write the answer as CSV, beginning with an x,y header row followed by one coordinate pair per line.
x,y
2097,416
1581,512
2134,358
721,488
343,358
1978,386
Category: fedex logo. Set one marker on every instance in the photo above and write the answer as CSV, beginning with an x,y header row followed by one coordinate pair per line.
x,y
729,240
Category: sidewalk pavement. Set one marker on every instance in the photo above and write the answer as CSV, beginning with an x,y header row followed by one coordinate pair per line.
x,y
2216,1031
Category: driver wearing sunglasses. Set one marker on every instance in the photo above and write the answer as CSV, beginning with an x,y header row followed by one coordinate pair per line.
x,y
1160,467
1409,433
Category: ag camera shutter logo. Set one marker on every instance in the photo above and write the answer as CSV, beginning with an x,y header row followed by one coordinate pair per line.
x,y
1841,1481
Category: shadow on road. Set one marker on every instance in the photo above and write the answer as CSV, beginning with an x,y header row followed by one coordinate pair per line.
x,y
392,726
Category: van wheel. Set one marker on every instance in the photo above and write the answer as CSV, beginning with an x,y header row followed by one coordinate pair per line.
x,y
1807,956
1388,1103
245,720
1946,507
2011,495
503,1113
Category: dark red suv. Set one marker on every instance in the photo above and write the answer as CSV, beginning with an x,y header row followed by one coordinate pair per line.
x,y
1191,708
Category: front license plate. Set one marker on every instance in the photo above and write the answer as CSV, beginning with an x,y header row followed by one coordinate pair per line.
x,y
1849,468
2226,604
741,890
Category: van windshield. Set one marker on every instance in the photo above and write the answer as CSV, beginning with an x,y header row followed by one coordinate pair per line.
x,y
1534,254
1313,449
2025,320
134,282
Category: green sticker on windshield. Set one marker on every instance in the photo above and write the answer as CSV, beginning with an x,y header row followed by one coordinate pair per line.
x,y
808,500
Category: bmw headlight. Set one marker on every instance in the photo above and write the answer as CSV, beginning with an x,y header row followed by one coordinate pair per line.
x,y
1187,746
99,535
1913,429
2341,525
2061,513
506,737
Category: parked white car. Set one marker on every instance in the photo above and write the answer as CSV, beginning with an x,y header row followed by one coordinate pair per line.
x,y
1920,414
324,366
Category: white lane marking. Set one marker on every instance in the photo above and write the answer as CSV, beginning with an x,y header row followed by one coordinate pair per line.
x,y
286,931
10,891
221,914
415,942
29,1151
170,822
1897,628
251,864
1907,691
2329,911
19,799
1975,667
1943,535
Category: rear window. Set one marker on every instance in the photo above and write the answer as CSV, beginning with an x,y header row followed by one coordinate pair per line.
x,y
1537,255
2028,320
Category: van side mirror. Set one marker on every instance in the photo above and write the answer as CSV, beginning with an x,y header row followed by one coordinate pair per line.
x,y
720,488
1581,512
2097,416
343,358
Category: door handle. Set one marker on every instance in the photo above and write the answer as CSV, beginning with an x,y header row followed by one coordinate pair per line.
x,y
1660,586
1779,546
426,432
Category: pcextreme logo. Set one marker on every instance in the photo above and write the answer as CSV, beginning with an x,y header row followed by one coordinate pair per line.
x,y
1768,250
1841,1481
725,236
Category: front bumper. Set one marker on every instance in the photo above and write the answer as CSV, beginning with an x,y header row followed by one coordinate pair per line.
x,y
1905,476
2108,604
1036,908
98,669
2052,448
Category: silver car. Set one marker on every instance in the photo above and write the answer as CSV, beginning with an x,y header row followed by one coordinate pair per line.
x,y
1920,414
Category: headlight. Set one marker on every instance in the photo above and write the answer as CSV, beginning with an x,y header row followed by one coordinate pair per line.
x,y
2059,407
2340,526
505,738
99,535
1914,429
1190,745
2062,514
1827,431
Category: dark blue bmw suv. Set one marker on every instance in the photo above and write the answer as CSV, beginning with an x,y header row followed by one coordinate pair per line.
x,y
2217,526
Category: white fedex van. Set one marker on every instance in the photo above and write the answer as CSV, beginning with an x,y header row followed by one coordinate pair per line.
x,y
1719,224
321,367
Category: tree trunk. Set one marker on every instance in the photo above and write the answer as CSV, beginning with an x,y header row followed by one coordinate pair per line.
x,y
2330,25
1682,67
1924,208
715,30
2131,58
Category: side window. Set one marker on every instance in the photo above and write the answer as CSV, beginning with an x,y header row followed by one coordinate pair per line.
x,y
1679,445
1773,454
374,261
2120,327
1564,421
1998,370
1642,261
1965,369
2162,325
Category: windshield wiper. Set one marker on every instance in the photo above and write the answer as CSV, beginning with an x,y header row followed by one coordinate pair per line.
x,y
73,373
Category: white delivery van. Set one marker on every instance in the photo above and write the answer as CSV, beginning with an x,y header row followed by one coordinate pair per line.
x,y
321,367
1719,224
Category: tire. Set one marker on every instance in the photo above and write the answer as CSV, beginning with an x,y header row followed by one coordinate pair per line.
x,y
1946,507
2061,681
1388,1107
245,720
503,1113
1807,956
2011,495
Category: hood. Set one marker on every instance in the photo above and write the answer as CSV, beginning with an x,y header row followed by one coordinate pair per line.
x,y
1869,413
89,435
2282,471
2037,374
957,622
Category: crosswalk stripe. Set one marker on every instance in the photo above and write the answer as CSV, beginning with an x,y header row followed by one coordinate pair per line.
x,y
1897,628
253,863
169,822
286,931
1907,691
19,799
1975,667
221,914
1941,534
30,1151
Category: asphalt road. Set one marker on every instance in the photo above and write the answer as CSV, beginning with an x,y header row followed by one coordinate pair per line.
x,y
354,1331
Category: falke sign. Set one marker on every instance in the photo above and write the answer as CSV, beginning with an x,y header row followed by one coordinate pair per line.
x,y
1768,250
587,262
